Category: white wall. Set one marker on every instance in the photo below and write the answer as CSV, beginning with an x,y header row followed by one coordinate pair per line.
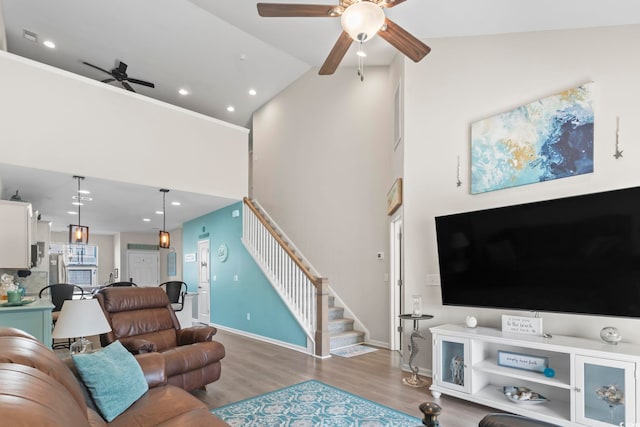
x,y
467,79
49,113
3,32
321,168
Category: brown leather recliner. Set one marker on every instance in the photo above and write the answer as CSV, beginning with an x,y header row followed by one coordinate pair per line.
x,y
37,388
143,321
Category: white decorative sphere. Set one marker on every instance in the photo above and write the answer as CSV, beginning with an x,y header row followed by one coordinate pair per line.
x,y
610,335
471,322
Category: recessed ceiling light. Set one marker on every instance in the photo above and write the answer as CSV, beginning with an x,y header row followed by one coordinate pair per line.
x,y
72,212
82,198
252,92
84,191
361,53
175,203
146,219
77,203
49,44
183,92
159,212
231,108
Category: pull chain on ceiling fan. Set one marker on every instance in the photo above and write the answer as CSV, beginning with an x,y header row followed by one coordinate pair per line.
x,y
360,20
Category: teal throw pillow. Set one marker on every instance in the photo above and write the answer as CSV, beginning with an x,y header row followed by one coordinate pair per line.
x,y
114,378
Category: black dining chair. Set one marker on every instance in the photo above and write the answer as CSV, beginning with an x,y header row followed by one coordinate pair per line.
x,y
176,292
58,293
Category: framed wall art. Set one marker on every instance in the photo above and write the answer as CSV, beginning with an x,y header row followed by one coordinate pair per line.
x,y
394,197
547,139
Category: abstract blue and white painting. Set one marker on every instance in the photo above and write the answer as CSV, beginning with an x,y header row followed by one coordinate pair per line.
x,y
547,139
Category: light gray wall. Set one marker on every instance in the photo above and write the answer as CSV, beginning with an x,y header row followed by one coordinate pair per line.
x,y
467,79
125,135
321,168
3,32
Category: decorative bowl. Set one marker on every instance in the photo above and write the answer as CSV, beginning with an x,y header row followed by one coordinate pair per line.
x,y
523,395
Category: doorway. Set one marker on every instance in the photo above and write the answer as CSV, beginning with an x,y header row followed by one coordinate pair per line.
x,y
396,282
204,284
143,268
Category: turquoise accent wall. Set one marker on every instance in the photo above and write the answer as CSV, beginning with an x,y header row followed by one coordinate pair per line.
x,y
251,293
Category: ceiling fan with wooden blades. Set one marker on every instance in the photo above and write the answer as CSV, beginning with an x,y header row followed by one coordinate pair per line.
x,y
119,74
360,20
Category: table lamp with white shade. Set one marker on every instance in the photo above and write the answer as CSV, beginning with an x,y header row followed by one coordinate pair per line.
x,y
80,318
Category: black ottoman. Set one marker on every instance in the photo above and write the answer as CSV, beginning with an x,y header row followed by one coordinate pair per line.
x,y
509,420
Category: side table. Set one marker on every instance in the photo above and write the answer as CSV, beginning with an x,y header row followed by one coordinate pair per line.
x,y
414,381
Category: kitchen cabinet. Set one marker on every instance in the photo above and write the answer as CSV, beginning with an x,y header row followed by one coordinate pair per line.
x,y
591,384
34,318
15,234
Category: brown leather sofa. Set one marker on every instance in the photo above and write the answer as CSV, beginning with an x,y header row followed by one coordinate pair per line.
x,y
143,321
37,388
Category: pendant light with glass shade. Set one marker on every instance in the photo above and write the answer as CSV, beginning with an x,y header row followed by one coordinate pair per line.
x,y
164,237
78,234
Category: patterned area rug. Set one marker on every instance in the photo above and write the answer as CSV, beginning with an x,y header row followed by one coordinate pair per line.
x,y
312,403
354,350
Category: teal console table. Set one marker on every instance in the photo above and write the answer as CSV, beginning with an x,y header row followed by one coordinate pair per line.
x,y
34,318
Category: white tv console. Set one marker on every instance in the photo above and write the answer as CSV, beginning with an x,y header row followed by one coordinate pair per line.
x,y
581,366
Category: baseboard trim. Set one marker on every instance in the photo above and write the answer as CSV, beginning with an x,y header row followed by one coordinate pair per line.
x,y
261,338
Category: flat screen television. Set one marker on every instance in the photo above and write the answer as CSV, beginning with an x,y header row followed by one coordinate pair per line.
x,y
573,255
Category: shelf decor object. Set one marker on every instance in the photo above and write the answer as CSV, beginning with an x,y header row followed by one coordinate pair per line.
x,y
547,139
612,396
525,362
522,325
610,335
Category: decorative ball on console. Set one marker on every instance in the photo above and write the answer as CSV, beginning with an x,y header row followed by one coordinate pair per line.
x,y
610,335
471,322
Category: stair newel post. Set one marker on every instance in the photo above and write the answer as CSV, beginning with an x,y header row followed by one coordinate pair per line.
x,y
322,314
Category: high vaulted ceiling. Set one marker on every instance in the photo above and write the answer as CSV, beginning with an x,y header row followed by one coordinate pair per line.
x,y
218,50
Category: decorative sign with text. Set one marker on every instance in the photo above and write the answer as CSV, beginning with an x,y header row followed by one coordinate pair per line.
x,y
190,257
522,325
526,362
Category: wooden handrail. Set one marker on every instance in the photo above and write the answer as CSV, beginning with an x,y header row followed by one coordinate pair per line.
x,y
315,280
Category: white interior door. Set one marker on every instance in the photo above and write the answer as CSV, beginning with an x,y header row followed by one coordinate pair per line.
x,y
204,284
143,268
395,282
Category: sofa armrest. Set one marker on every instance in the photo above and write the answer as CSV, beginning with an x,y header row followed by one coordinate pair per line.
x,y
195,334
138,345
154,368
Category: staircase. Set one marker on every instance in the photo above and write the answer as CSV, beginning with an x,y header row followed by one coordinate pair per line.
x,y
341,332
298,283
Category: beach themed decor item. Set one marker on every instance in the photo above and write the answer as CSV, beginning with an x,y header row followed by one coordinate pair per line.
x,y
547,139
610,335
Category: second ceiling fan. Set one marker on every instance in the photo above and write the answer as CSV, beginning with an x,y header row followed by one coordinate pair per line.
x,y
360,20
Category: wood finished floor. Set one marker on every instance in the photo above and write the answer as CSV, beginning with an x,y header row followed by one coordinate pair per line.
x,y
253,367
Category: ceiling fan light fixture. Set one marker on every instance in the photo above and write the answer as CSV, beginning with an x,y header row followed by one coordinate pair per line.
x,y
362,20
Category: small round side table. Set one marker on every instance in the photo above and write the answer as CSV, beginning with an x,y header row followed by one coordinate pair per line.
x,y
414,380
